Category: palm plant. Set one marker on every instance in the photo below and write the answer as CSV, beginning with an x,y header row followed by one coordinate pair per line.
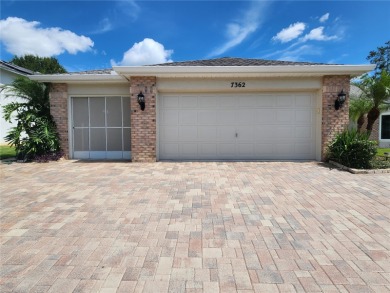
x,y
358,108
35,133
377,91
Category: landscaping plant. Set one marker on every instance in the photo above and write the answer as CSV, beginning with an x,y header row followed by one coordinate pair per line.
x,y
353,149
35,135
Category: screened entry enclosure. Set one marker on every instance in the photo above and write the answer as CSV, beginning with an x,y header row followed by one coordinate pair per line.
x,y
101,127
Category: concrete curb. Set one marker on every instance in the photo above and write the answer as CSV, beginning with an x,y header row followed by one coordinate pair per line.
x,y
359,171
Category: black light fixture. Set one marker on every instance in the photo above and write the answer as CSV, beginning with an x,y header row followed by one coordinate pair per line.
x,y
141,100
340,100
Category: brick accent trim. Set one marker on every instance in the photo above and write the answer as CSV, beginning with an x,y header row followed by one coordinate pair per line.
x,y
143,123
333,121
59,111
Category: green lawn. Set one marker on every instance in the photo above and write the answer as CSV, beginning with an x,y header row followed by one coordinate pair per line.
x,y
6,152
381,151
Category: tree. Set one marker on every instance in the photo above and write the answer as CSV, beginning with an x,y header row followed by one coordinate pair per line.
x,y
381,57
35,133
358,108
377,90
44,65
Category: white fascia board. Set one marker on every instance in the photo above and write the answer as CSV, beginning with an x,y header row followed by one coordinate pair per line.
x,y
78,78
224,71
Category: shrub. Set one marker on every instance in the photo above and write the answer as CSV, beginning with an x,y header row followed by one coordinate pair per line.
x,y
35,134
352,149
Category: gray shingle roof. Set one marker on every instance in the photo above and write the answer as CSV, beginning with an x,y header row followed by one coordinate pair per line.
x,y
98,71
14,68
229,61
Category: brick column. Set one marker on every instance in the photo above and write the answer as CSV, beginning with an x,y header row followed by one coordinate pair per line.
x,y
59,111
143,123
333,121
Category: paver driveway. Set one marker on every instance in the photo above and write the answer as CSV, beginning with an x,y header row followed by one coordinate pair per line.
x,y
193,227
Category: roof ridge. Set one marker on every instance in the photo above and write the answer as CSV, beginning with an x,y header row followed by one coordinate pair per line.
x,y
235,61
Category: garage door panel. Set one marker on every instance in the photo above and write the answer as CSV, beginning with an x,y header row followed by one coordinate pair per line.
x,y
245,150
188,149
226,133
264,132
247,101
285,101
169,150
284,132
188,117
303,101
170,102
303,117
207,150
226,117
267,101
187,133
207,102
285,116
226,150
207,133
207,117
265,116
262,126
303,148
245,133
170,133
245,116
188,102
227,101
263,149
304,132
169,117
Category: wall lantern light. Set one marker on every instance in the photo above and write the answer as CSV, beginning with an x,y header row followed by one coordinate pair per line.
x,y
340,100
141,100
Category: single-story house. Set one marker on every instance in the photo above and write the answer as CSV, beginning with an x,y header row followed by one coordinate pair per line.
x,y
8,73
218,109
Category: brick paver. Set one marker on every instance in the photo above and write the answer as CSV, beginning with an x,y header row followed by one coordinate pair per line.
x,y
193,227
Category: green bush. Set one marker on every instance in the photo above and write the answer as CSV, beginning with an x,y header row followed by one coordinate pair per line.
x,y
35,134
352,149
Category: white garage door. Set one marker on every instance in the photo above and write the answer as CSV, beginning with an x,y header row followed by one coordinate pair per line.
x,y
278,126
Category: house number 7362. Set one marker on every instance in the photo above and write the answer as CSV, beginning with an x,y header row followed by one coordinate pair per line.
x,y
237,84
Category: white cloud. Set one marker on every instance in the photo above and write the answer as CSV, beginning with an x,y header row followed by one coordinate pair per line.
x,y
145,53
22,37
324,18
295,52
317,34
290,33
237,31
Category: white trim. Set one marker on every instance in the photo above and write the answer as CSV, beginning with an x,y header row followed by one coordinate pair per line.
x,y
238,71
79,78
121,74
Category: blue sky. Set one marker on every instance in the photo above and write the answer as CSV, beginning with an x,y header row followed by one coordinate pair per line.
x,y
86,35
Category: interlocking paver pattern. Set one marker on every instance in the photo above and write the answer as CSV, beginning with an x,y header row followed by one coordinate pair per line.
x,y
193,227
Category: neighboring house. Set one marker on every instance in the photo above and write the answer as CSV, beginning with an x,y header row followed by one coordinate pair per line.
x,y
381,128
218,109
8,73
